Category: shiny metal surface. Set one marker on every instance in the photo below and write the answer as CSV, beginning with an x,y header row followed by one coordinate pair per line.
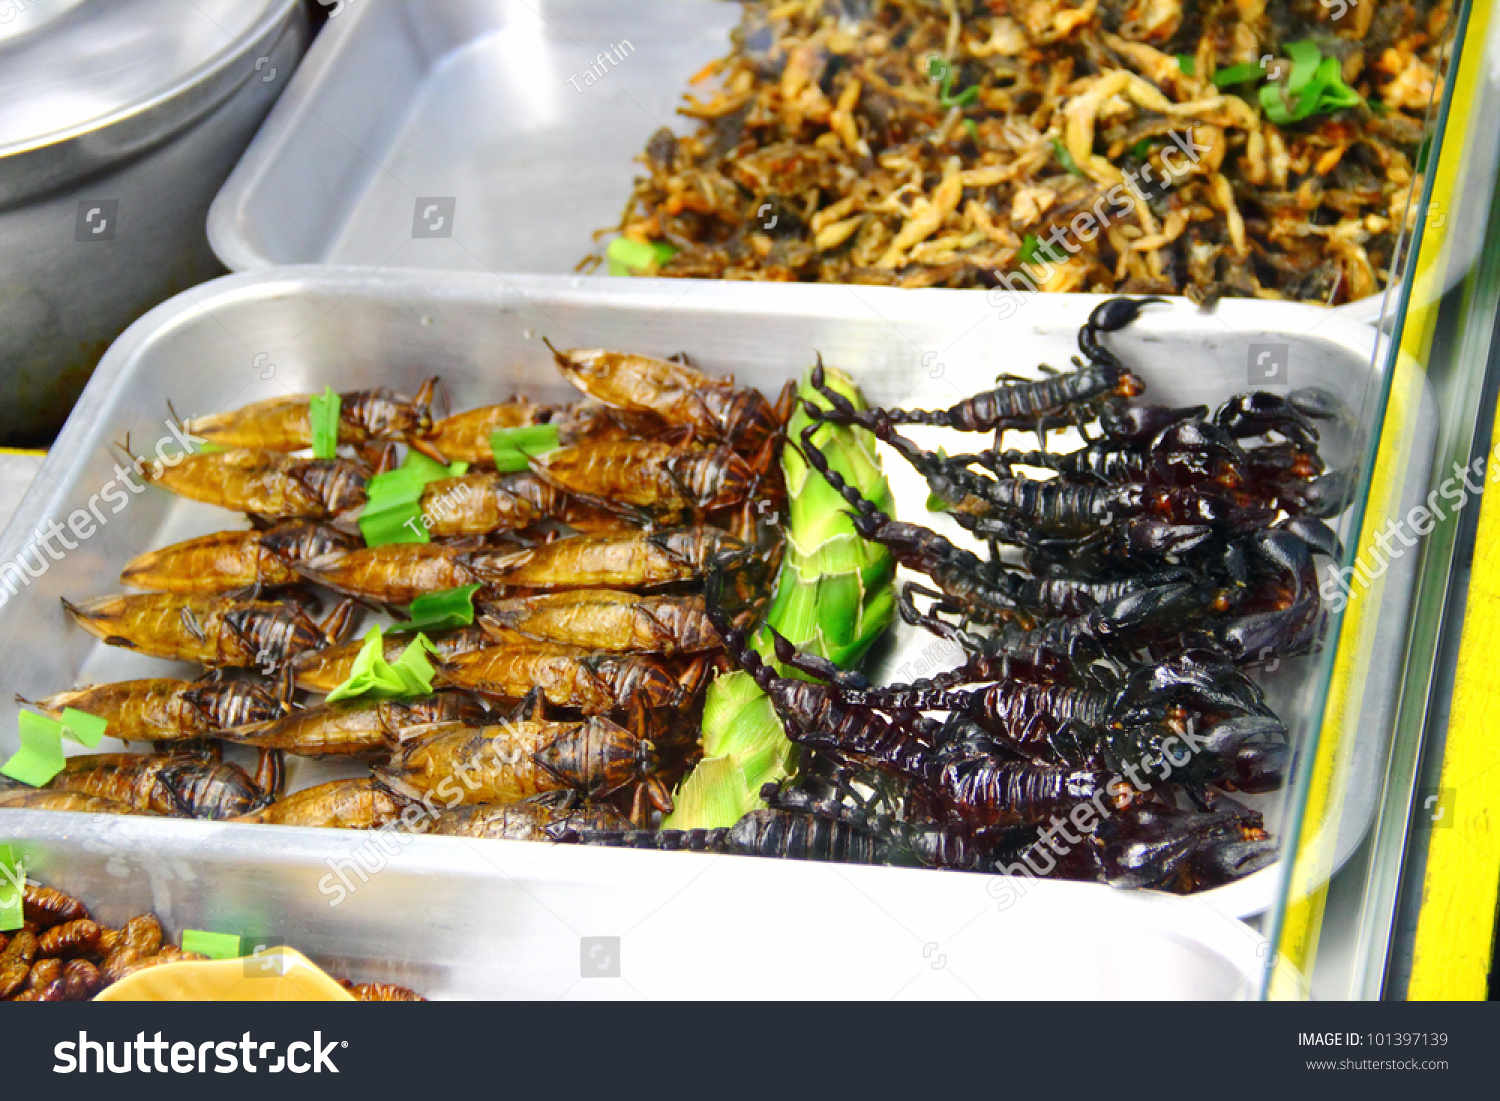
x,y
102,201
249,337
456,918
88,83
466,99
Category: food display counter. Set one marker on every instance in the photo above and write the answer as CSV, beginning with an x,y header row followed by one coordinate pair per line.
x,y
1205,342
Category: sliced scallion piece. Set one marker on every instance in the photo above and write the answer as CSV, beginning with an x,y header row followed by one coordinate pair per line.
x,y
441,610
323,414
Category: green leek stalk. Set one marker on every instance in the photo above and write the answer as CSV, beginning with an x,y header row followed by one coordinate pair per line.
x,y
834,596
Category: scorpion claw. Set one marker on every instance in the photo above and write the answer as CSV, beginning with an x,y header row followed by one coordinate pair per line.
x,y
1316,403
1323,497
1260,412
1319,537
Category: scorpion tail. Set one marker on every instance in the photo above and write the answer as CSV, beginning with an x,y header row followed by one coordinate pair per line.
x,y
1110,316
868,520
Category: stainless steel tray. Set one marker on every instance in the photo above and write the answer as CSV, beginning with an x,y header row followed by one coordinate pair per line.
x,y
503,919
464,101
253,336
399,107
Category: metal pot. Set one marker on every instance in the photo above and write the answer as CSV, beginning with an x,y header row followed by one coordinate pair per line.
x,y
119,120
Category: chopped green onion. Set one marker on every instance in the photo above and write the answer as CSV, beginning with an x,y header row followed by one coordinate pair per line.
x,y
1065,158
12,892
1239,74
216,946
628,257
440,610
1315,86
1306,60
1141,149
40,756
1032,247
323,414
397,523
1187,63
83,728
393,500
972,127
375,678
939,69
966,98
513,447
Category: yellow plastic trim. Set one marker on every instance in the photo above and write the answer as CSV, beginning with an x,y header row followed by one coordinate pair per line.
x,y
1313,862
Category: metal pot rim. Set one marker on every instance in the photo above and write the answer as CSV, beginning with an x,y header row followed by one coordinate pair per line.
x,y
42,163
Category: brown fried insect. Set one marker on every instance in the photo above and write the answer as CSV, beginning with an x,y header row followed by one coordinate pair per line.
x,y
384,992
397,573
263,483
213,630
72,938
571,676
654,474
123,968
139,939
230,560
526,821
465,437
324,670
44,973
81,979
285,423
178,786
354,726
362,804
487,502
608,619
714,408
510,761
628,560
15,962
48,906
75,801
163,709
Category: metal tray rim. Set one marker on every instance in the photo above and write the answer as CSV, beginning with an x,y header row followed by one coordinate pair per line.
x,y
1238,899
